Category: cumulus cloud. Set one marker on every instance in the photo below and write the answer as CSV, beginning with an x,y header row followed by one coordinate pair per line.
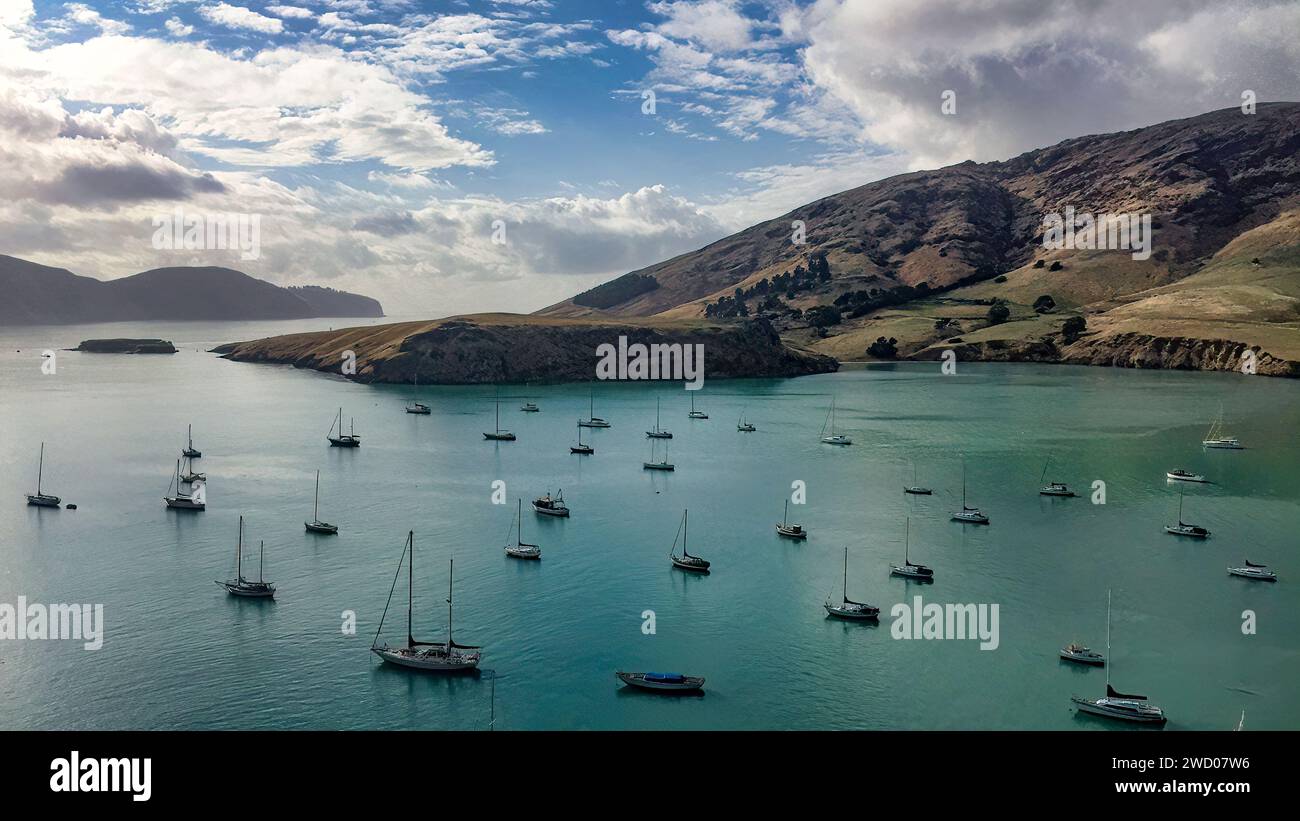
x,y
238,17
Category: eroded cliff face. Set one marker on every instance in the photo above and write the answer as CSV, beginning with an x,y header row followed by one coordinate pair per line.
x,y
498,348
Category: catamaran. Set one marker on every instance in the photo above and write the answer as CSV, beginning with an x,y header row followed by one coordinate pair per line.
x,y
194,500
40,498
788,530
1124,706
551,506
1259,572
662,682
658,432
580,447
316,525
694,414
833,438
686,561
416,406
433,656
914,488
1052,488
1180,475
848,608
1216,438
499,435
908,569
1184,529
593,421
239,586
521,549
343,440
190,452
653,465
968,514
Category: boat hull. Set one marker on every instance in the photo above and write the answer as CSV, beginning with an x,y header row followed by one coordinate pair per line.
x,y
433,663
181,503
525,554
697,415
658,466
345,443
584,450
1194,478
1102,707
1091,661
663,434
43,500
562,513
911,573
689,566
594,423
419,411
1245,573
786,532
746,428
836,440
919,491
246,592
851,615
499,437
1176,531
1223,444
687,684
321,527
970,520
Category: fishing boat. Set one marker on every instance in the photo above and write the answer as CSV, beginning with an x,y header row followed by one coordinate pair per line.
x,y
416,406
1082,654
40,498
190,452
499,435
434,656
343,440
551,506
1053,488
1180,475
908,569
1184,529
1123,706
968,514
194,500
592,420
653,465
658,432
788,530
521,549
743,426
1215,437
1259,572
662,682
239,586
848,608
686,561
190,475
580,447
914,488
694,414
316,525
833,438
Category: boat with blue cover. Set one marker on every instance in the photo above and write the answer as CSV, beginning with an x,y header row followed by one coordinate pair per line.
x,y
670,682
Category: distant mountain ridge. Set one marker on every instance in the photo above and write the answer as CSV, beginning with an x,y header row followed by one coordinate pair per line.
x,y
33,294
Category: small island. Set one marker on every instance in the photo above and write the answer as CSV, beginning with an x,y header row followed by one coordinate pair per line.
x,y
126,346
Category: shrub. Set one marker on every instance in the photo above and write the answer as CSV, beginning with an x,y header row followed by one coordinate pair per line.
x,y
998,313
1038,263
1044,304
883,348
1000,278
1073,326
1056,265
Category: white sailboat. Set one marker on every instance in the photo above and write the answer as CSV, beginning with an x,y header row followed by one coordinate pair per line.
x,y
40,498
914,488
848,608
189,474
686,561
581,448
653,465
1184,529
833,438
1250,570
239,586
1123,706
343,440
968,514
432,656
316,525
179,500
908,569
743,426
1053,488
499,435
658,432
417,407
788,530
521,549
694,414
1216,437
592,420
190,452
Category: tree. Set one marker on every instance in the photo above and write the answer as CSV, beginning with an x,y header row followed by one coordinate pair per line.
x,y
883,348
823,316
1045,304
1073,327
998,313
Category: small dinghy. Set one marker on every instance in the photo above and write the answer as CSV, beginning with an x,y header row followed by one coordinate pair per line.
x,y
848,608
239,586
1184,529
430,656
694,414
788,530
41,498
548,506
1123,706
585,450
908,569
914,488
658,432
1180,475
316,525
1083,655
499,435
529,407
662,682
190,452
176,499
686,561
343,440
521,549
1258,572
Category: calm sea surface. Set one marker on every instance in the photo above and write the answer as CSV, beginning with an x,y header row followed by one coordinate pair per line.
x,y
180,653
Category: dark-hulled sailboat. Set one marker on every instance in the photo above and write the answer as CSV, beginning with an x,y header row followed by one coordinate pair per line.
x,y
433,656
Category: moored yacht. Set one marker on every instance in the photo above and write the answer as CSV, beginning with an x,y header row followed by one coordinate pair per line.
x,y
686,561
848,608
194,500
1053,488
40,498
833,438
662,682
551,506
1123,706
1216,437
653,465
580,447
499,435
967,514
1180,475
908,569
694,414
521,549
246,588
529,407
914,488
417,407
343,440
190,452
658,432
1184,529
1250,570
431,656
316,525
788,529
1083,655
592,420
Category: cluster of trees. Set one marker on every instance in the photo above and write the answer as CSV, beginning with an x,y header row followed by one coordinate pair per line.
x,y
863,302
616,291
788,284
883,348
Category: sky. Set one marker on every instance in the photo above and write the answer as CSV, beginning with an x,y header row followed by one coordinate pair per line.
x,y
457,156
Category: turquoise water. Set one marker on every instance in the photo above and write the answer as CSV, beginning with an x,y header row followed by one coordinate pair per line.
x,y
180,653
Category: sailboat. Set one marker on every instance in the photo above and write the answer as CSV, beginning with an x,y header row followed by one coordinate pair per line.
x,y
183,501
1184,529
1250,570
529,407
189,474
424,655
499,435
967,514
316,525
658,432
790,531
416,406
239,586
662,682
914,488
521,549
653,465
40,498
694,414
833,438
580,447
1216,438
190,452
686,561
343,440
907,569
592,420
848,608
743,426
551,506
1124,706
1082,654
1052,488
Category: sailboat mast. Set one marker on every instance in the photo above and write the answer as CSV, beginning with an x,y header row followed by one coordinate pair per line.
x,y
685,523
1109,659
239,552
786,517
519,523
451,573
410,586
261,558
315,510
40,470
907,541
845,593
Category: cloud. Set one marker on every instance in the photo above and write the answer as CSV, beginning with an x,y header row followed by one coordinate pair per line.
x,y
291,12
238,17
178,29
